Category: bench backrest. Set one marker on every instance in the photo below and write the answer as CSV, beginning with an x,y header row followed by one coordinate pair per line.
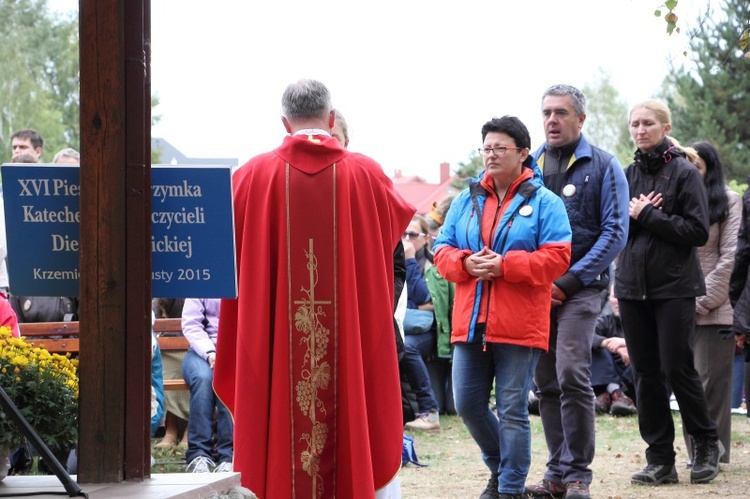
x,y
39,333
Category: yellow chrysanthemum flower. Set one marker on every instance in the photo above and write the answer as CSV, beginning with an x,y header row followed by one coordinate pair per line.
x,y
46,382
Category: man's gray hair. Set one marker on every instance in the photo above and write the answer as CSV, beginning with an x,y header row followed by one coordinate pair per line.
x,y
68,152
341,121
306,99
579,100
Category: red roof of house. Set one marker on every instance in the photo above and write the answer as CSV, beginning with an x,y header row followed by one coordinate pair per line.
x,y
421,195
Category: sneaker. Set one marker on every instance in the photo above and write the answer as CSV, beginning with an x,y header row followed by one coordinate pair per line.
x,y
655,474
505,495
577,490
546,488
426,421
490,492
706,455
533,403
622,405
739,410
602,403
200,464
673,405
224,467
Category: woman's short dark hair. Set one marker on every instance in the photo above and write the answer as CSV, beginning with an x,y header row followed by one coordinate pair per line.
x,y
511,126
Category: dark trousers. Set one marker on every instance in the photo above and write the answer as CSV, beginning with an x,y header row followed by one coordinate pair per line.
x,y
566,399
659,336
714,355
605,370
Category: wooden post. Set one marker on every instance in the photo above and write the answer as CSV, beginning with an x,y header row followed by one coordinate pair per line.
x,y
115,283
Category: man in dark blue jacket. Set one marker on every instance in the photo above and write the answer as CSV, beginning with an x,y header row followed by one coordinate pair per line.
x,y
593,187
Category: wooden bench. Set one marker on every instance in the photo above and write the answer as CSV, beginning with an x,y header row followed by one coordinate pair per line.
x,y
171,343
39,333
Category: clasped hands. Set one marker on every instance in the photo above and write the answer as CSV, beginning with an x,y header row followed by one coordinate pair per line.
x,y
484,265
637,204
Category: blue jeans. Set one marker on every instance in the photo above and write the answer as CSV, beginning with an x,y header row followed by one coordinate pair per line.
x,y
505,440
606,370
203,404
425,343
419,379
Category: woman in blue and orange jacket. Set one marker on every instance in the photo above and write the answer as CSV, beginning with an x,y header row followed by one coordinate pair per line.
x,y
506,238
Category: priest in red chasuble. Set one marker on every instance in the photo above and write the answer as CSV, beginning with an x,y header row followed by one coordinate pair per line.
x,y
306,358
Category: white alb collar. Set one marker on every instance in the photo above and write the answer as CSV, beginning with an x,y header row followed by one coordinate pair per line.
x,y
312,131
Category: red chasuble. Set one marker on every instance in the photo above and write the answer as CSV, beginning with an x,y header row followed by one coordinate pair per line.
x,y
306,358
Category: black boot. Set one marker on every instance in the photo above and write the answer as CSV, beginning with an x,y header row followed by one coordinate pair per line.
x,y
490,492
706,454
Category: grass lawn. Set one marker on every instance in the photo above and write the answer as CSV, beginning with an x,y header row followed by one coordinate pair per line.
x,y
455,467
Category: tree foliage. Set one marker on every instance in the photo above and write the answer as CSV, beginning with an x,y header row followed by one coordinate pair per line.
x,y
709,99
606,123
467,170
670,16
39,81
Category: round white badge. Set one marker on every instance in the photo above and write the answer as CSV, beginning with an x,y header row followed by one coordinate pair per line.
x,y
526,210
569,190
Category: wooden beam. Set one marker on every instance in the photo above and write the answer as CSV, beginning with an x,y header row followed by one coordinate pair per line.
x,y
115,278
138,237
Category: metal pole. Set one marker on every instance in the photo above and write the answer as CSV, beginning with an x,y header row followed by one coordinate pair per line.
x,y
10,409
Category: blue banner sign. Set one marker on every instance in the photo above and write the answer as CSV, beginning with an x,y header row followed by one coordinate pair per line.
x,y
192,226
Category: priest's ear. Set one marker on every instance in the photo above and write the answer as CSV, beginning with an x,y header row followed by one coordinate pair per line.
x,y
286,124
331,120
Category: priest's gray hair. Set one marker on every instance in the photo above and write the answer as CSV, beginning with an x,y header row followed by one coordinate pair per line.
x,y
306,99
579,100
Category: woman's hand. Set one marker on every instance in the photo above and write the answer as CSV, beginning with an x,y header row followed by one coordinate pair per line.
x,y
484,265
409,251
637,204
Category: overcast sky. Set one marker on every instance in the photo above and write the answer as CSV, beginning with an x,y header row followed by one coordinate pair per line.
x,y
416,79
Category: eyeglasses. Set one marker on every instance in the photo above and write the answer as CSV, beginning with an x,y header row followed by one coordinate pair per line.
x,y
412,235
499,150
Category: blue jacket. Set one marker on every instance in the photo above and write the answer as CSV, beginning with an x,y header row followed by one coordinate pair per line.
x,y
598,214
418,293
532,234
